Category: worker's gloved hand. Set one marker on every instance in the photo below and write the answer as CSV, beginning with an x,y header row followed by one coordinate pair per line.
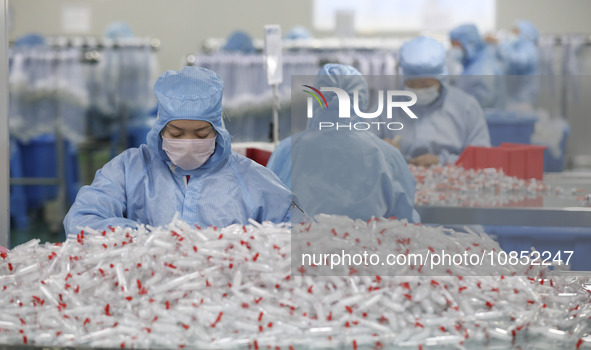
x,y
425,160
3,250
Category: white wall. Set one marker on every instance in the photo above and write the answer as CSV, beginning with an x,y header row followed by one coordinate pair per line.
x,y
559,17
549,16
181,25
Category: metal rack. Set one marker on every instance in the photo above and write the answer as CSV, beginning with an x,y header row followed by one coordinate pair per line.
x,y
60,180
90,53
212,45
553,212
4,138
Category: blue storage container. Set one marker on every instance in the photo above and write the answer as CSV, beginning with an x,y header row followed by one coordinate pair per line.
x,y
135,137
137,132
139,127
556,164
19,218
552,239
39,159
510,126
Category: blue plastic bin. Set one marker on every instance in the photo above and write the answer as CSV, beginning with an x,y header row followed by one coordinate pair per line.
x,y
556,164
137,131
552,239
137,135
509,126
19,218
38,158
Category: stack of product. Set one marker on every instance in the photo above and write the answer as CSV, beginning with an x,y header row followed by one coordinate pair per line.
x,y
456,186
184,286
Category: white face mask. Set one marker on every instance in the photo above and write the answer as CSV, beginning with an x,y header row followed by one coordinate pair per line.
x,y
456,54
512,37
188,154
426,96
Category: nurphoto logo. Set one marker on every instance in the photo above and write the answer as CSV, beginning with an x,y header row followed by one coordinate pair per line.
x,y
344,108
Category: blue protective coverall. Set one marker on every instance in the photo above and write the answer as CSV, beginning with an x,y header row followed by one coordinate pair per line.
x,y
142,185
455,120
481,76
344,172
520,59
446,126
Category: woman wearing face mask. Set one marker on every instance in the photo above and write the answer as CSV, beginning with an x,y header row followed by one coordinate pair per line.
x,y
187,167
448,118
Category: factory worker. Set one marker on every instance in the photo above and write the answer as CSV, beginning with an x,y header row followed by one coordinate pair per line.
x,y
448,119
477,59
31,39
298,33
118,30
520,58
239,41
344,172
187,167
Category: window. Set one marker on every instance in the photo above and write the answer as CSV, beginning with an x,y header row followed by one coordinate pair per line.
x,y
370,16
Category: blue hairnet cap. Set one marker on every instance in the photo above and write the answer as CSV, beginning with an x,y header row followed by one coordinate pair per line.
x,y
32,39
239,41
345,77
298,32
192,93
527,30
469,37
422,56
118,30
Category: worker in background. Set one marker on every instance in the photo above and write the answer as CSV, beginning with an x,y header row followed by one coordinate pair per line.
x,y
298,33
186,168
449,119
344,172
481,69
30,39
520,58
239,41
118,30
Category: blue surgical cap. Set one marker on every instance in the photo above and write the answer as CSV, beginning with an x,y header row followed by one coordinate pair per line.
x,y
346,78
422,56
469,37
298,32
117,30
239,41
527,30
32,39
193,93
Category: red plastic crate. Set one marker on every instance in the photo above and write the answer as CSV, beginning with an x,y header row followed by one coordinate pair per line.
x,y
520,160
534,158
258,155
